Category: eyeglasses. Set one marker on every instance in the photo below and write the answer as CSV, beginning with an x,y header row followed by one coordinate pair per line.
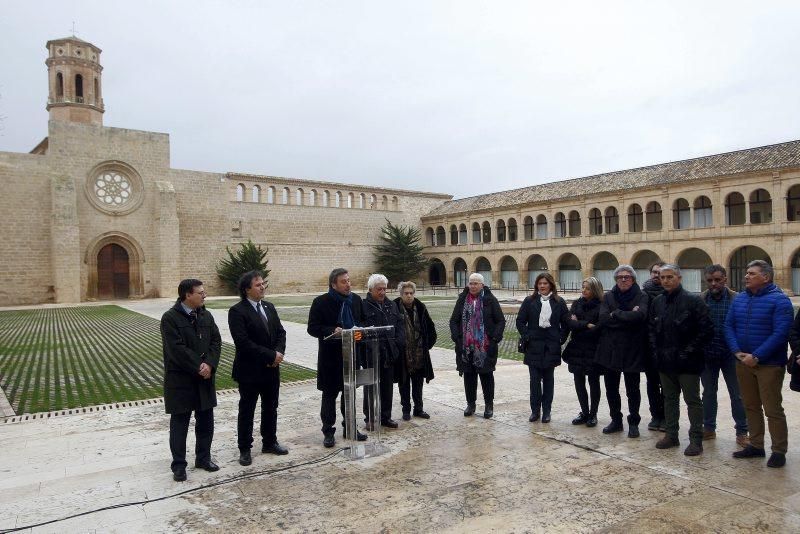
x,y
624,277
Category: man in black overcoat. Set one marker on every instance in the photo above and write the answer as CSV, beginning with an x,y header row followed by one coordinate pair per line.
x,y
260,344
191,345
331,312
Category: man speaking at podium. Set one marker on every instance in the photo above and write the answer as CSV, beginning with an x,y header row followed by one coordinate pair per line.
x,y
331,312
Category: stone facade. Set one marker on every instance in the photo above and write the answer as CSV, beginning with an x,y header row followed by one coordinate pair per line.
x,y
726,209
88,187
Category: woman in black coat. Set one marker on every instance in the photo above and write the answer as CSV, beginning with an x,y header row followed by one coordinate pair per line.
x,y
476,327
623,347
580,351
542,324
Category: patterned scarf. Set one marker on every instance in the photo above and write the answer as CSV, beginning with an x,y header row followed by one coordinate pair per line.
x,y
415,360
476,342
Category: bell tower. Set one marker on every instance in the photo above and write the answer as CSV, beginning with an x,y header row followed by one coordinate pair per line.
x,y
74,77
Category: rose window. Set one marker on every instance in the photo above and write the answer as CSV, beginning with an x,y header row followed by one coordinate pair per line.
x,y
112,189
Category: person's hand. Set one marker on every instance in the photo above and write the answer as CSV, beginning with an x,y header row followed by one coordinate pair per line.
x,y
749,360
635,308
337,329
278,359
205,371
573,317
590,325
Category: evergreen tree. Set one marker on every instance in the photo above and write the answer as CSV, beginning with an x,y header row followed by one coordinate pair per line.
x,y
248,258
399,256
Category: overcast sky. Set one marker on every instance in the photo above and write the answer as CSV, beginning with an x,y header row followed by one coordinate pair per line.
x,y
454,97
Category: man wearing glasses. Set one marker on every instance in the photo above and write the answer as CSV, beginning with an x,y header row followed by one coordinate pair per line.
x,y
191,343
757,330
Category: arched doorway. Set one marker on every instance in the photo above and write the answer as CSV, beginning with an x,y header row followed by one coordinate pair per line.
x,y
460,272
569,273
692,262
739,260
436,273
603,268
536,266
113,273
484,268
509,273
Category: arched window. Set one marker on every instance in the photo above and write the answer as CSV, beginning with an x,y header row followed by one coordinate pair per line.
x,y
430,237
298,197
681,214
326,198
60,85
395,204
635,218
574,223
240,193
285,196
702,212
453,234
256,194
595,222
541,227
501,231
561,225
793,203
78,88
312,197
476,232
734,209
653,217
373,202
350,199
441,238
362,201
96,92
612,220
384,203
512,229
528,228
760,207
462,234
271,195
337,199
487,232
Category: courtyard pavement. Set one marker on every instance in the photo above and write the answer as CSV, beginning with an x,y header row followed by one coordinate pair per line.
x,y
446,474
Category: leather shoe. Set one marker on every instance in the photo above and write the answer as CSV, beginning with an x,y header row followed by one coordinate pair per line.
x,y
633,431
667,442
750,452
533,418
390,423
694,449
776,459
613,426
422,414
469,410
209,466
488,411
275,448
546,418
406,416
179,475
591,421
581,419
329,441
245,458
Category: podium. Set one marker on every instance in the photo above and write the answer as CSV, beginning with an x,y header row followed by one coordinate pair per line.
x,y
360,367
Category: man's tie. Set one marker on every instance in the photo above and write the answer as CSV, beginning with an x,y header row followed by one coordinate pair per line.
x,y
263,314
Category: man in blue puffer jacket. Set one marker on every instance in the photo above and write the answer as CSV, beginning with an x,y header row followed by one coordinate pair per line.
x,y
757,331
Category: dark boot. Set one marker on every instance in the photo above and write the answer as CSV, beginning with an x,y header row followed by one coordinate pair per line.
x,y
614,426
470,409
592,420
581,419
488,412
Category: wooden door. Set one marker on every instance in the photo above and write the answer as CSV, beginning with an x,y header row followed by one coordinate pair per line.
x,y
113,276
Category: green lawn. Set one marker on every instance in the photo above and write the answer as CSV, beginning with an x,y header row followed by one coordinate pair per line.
x,y
51,359
440,313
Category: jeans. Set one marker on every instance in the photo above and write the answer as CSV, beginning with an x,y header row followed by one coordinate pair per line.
x,y
674,385
710,379
542,385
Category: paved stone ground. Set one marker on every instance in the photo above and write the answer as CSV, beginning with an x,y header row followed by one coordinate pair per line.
x,y
446,474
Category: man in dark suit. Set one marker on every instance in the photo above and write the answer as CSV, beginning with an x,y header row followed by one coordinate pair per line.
x,y
331,312
191,343
260,343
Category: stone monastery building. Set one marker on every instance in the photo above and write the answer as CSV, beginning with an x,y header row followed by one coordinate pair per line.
x,y
94,212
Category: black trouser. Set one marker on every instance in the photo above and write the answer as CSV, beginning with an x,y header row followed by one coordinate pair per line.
x,y
594,391
387,387
471,386
542,386
612,379
327,411
203,431
248,397
411,388
655,397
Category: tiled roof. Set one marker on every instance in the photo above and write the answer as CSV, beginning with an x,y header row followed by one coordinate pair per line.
x,y
752,159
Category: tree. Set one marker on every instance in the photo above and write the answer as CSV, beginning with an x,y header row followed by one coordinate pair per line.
x,y
248,258
399,256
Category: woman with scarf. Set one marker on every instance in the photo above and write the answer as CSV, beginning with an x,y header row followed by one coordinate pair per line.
x,y
414,367
542,325
580,351
623,347
476,327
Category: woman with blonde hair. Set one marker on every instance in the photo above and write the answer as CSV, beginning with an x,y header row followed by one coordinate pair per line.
x,y
542,325
580,351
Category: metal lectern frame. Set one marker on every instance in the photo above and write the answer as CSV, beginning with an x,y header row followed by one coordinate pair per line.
x,y
363,371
